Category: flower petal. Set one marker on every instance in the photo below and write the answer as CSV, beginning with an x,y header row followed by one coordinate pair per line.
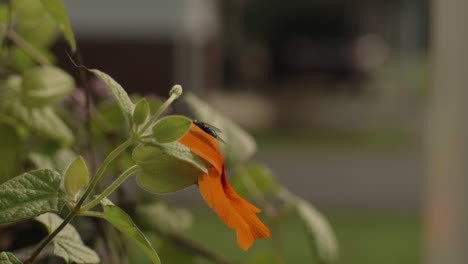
x,y
204,146
234,211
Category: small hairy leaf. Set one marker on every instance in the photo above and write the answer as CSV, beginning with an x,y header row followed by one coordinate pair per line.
x,y
30,194
76,176
8,258
171,128
120,95
68,244
167,167
123,222
239,146
59,14
44,85
317,227
141,111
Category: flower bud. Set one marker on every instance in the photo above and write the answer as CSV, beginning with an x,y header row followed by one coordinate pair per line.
x,y
177,90
141,111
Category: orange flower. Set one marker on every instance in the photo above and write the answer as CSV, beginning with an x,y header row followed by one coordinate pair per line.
x,y
234,211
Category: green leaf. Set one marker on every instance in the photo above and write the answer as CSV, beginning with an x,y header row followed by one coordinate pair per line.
x,y
239,146
318,229
171,128
67,243
167,167
8,258
19,60
57,10
57,160
141,112
120,95
30,194
34,23
46,85
254,180
45,122
123,222
76,176
10,143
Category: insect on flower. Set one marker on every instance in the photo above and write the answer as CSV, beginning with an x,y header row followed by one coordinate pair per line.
x,y
209,129
215,189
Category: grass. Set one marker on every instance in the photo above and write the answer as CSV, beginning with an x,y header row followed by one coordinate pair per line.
x,y
364,238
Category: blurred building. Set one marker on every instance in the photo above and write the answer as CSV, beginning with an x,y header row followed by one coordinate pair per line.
x,y
147,45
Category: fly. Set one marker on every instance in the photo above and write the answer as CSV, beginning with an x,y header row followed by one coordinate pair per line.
x,y
209,129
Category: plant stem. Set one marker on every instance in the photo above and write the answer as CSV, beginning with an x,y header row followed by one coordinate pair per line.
x,y
49,238
27,47
111,188
102,168
92,214
160,110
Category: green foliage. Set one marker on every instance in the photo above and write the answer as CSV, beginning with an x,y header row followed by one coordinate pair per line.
x,y
54,159
141,112
171,128
323,241
240,145
8,258
45,85
165,218
123,222
167,167
120,95
34,23
30,90
10,143
31,194
254,179
59,14
45,122
68,244
76,176
257,181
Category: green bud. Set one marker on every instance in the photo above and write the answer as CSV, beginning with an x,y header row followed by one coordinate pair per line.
x,y
177,90
141,112
76,176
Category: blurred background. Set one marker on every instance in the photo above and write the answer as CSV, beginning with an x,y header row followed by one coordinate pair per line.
x,y
335,92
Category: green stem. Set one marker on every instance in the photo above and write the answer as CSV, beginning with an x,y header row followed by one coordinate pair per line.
x,y
160,110
92,213
102,168
111,188
49,238
27,47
